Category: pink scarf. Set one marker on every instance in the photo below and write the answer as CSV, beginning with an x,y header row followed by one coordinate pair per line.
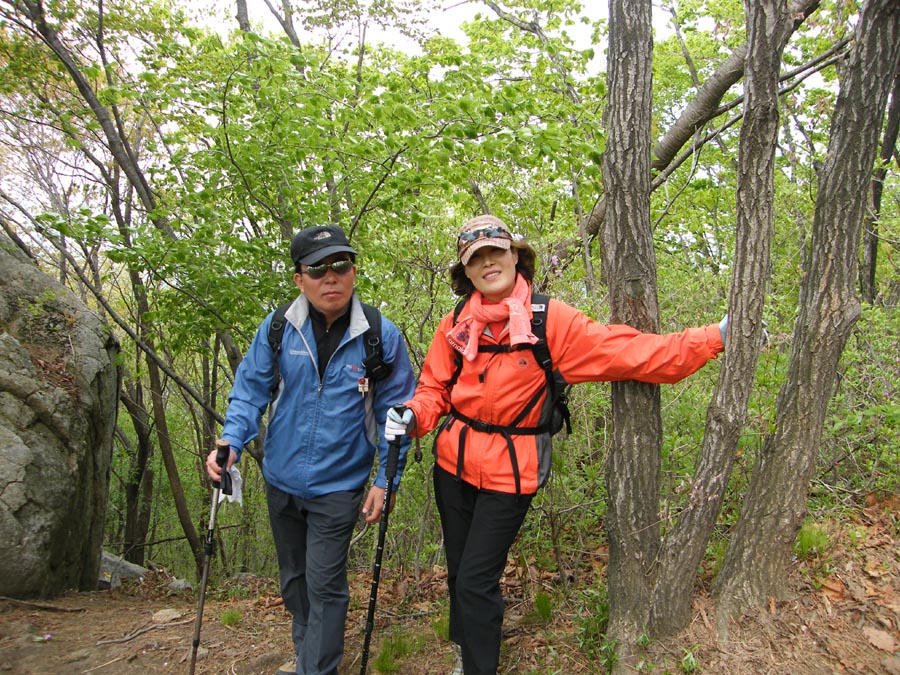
x,y
516,307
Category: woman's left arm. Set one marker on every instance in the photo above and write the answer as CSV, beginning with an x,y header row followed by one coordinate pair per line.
x,y
585,350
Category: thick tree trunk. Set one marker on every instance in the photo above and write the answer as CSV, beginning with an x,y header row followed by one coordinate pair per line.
x,y
756,562
632,474
769,27
243,16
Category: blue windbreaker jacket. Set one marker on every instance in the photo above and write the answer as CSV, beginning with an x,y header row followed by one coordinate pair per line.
x,y
321,438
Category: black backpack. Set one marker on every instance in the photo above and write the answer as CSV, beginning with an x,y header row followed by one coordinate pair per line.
x,y
376,367
557,393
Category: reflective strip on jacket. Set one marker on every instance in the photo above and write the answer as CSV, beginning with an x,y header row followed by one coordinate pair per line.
x,y
321,437
495,387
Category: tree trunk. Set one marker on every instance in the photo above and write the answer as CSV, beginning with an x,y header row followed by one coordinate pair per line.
x,y
135,538
870,234
243,16
703,107
755,565
117,142
168,457
158,410
769,27
632,473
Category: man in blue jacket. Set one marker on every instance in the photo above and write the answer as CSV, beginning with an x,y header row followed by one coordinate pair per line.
x,y
326,422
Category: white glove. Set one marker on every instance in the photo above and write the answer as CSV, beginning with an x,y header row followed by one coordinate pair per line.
x,y
399,418
236,483
723,327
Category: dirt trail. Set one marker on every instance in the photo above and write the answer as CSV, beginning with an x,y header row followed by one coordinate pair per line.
x,y
843,617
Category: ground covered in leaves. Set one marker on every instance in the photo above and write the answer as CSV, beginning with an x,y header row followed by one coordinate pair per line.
x,y
842,617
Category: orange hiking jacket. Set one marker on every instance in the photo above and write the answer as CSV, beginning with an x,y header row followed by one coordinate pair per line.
x,y
496,386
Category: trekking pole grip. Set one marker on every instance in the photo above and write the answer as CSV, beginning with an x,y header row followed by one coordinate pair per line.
x,y
223,451
393,459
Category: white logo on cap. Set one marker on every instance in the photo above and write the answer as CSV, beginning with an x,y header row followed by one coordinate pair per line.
x,y
322,235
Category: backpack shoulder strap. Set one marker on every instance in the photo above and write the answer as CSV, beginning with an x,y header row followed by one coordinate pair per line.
x,y
457,357
276,328
540,349
459,307
276,331
376,367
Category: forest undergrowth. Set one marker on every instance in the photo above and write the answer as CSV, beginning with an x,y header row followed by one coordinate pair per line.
x,y
842,616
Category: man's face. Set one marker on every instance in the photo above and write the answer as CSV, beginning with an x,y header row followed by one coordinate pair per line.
x,y
331,293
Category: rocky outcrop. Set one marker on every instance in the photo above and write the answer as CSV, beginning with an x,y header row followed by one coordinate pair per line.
x,y
58,396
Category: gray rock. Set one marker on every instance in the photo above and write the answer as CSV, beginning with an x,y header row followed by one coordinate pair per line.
x,y
179,586
58,395
113,569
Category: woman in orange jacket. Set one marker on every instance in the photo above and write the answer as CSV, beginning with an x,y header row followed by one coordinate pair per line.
x,y
483,381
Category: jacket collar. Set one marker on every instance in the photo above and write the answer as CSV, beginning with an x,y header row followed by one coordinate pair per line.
x,y
298,313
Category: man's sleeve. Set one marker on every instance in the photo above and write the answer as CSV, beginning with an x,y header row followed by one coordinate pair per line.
x,y
251,393
393,390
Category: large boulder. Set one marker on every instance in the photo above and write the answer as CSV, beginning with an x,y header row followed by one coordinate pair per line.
x,y
59,387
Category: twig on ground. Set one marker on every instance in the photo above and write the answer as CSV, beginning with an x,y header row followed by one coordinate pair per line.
x,y
141,631
103,665
41,605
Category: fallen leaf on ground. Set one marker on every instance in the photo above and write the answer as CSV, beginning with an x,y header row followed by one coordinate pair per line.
x,y
880,639
834,589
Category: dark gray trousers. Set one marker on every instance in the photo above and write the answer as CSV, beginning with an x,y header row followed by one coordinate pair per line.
x,y
312,538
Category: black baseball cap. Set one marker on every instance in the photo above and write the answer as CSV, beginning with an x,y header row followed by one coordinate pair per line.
x,y
313,244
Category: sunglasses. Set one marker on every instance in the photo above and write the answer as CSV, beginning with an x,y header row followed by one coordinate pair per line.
x,y
484,232
339,267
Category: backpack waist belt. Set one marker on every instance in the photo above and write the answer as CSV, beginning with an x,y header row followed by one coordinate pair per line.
x,y
486,428
505,431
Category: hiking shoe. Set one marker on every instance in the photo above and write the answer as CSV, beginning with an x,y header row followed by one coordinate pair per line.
x,y
289,668
457,660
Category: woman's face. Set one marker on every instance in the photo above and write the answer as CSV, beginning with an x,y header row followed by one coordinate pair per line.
x,y
493,272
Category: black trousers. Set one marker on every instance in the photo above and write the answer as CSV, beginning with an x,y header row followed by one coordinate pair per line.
x,y
479,528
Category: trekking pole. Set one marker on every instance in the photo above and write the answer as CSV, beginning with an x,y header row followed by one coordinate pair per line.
x,y
390,471
223,449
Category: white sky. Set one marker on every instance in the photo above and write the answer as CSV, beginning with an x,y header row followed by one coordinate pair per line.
x,y
447,21
222,13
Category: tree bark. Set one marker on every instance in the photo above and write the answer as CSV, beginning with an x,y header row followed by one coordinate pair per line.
x,y
699,111
756,563
870,235
135,539
632,474
704,105
769,27
243,16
